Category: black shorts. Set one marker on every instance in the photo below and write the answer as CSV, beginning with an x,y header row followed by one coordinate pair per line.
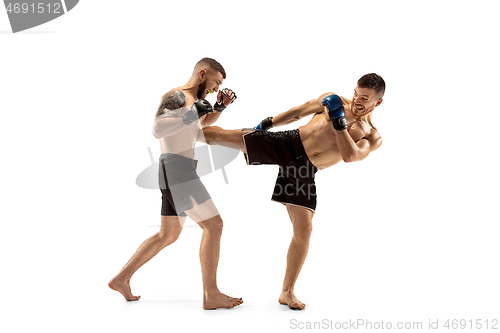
x,y
295,184
178,184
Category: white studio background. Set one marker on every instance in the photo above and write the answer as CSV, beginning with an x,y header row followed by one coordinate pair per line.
x,y
409,234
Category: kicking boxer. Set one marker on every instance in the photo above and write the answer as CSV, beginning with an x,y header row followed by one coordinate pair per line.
x,y
183,111
340,129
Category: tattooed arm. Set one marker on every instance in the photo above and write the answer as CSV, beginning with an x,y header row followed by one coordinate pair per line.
x,y
168,121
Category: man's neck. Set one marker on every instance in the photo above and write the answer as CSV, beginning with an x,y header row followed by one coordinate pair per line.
x,y
191,87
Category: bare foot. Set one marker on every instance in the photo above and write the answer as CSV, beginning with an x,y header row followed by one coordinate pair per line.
x,y
220,300
288,298
124,288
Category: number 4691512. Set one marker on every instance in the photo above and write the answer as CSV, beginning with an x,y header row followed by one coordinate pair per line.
x,y
39,8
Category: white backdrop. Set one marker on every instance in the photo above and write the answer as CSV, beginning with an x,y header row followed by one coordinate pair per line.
x,y
408,235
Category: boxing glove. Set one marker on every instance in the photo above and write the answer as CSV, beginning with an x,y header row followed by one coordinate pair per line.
x,y
265,124
219,105
200,108
336,111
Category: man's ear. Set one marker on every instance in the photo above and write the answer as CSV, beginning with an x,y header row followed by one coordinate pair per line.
x,y
201,74
379,102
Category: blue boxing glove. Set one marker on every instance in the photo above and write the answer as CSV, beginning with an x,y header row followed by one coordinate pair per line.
x,y
335,111
265,124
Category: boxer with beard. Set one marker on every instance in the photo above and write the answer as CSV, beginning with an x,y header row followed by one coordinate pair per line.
x,y
182,113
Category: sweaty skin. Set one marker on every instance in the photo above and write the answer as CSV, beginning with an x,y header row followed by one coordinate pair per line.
x,y
325,147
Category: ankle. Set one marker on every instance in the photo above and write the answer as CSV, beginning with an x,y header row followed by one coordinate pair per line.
x,y
212,292
121,278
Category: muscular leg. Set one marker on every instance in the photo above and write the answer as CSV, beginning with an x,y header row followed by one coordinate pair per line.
x,y
171,227
230,138
209,257
297,252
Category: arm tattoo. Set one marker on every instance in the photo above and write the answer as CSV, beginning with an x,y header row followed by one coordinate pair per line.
x,y
165,113
170,102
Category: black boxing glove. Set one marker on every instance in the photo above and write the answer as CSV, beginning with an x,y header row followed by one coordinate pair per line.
x,y
200,108
223,95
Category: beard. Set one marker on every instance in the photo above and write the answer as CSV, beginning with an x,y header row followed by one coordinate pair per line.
x,y
202,87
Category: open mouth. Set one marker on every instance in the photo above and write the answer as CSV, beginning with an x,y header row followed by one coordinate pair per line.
x,y
358,108
209,91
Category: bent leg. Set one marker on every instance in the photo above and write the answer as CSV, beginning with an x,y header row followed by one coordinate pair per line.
x,y
171,227
297,252
229,138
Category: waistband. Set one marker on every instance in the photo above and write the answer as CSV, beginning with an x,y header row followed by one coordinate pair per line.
x,y
178,162
175,157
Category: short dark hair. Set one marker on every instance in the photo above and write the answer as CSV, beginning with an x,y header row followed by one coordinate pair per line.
x,y
373,81
213,64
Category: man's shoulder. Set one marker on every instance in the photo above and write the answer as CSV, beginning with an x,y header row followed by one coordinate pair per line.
x,y
173,99
362,129
373,136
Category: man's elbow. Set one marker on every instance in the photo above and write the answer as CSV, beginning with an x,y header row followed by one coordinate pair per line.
x,y
353,157
349,158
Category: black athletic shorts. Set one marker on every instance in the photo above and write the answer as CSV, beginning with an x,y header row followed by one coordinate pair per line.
x,y
178,184
295,184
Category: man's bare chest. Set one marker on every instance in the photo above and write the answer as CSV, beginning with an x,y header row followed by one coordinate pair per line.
x,y
320,129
